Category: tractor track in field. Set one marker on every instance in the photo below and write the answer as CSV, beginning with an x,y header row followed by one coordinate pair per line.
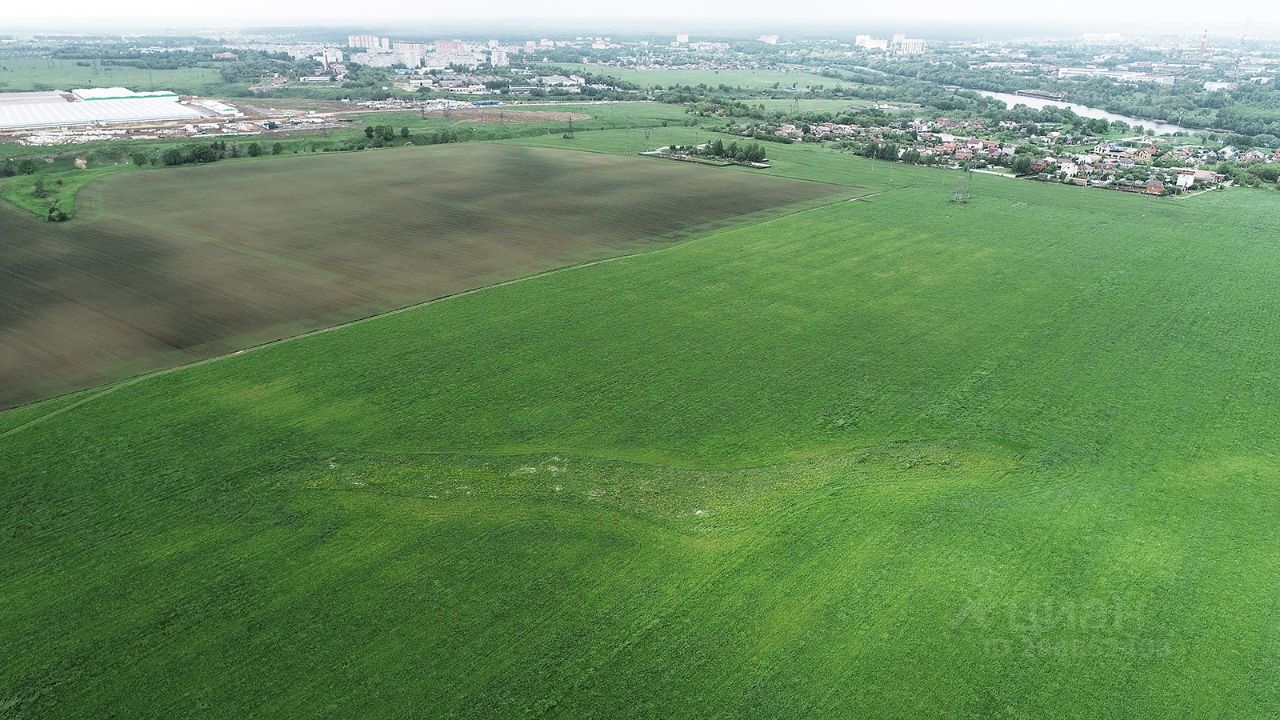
x,y
881,192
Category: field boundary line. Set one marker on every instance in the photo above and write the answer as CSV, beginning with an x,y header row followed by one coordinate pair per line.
x,y
91,396
879,192
797,208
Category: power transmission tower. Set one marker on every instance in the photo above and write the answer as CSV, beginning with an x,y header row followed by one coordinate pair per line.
x,y
964,187
569,135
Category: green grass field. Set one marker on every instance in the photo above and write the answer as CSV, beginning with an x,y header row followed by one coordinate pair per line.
x,y
63,177
168,265
19,74
893,457
746,79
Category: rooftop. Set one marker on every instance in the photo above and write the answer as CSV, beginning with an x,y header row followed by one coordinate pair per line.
x,y
38,110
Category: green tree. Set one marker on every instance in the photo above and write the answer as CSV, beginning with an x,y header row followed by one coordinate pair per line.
x,y
139,159
277,149
368,131
254,149
27,166
204,154
40,190
404,132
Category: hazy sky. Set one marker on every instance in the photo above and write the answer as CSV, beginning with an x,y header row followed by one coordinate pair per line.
x,y
1227,17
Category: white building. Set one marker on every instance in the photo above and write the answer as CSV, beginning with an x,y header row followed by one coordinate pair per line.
x,y
410,53
375,59
769,39
908,46
368,42
92,106
560,81
867,42
329,56
118,93
682,38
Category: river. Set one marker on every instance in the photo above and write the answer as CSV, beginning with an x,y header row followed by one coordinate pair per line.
x,y
1161,128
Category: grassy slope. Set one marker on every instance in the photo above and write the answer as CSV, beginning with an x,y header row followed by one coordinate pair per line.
x,y
887,458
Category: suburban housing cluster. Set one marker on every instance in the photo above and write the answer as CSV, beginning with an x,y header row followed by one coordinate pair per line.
x,y
1138,164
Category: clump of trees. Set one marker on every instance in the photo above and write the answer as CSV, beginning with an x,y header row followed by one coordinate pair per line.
x,y
751,152
1251,174
199,153
26,167
380,134
881,150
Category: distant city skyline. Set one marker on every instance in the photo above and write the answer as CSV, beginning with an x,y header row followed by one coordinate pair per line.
x,y
1232,18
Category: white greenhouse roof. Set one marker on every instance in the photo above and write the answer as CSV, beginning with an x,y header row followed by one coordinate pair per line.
x,y
27,98
117,93
55,114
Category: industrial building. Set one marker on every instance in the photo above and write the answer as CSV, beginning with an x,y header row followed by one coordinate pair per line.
x,y
91,106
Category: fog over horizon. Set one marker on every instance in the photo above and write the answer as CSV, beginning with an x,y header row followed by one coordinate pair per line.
x,y
937,19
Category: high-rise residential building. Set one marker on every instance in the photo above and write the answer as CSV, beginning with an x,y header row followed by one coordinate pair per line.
x,y
908,46
364,42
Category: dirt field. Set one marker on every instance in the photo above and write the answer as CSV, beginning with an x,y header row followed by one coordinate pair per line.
x,y
171,265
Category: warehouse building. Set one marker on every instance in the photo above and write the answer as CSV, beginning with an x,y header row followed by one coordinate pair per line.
x,y
96,106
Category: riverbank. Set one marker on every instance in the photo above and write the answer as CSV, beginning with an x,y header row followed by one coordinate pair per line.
x,y
1160,128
